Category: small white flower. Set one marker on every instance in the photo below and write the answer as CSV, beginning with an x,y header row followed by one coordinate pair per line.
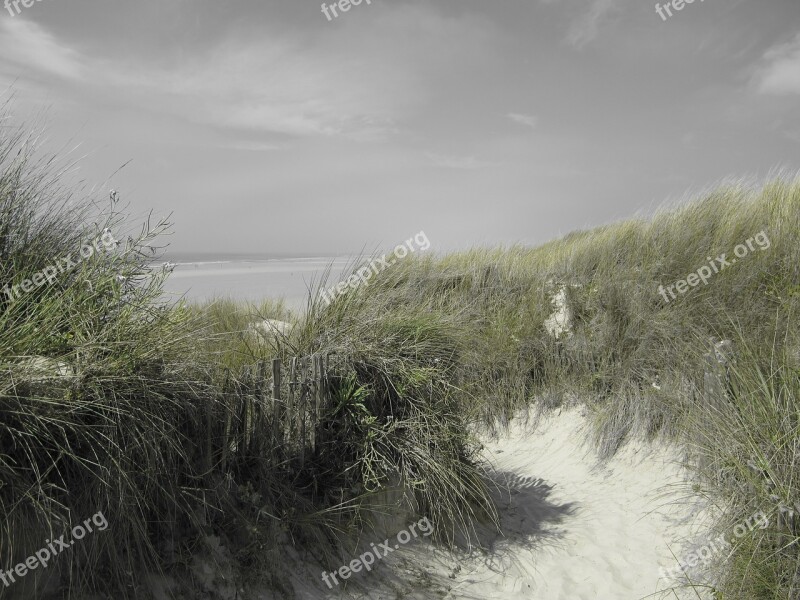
x,y
108,238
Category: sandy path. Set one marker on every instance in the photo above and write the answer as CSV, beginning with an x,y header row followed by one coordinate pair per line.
x,y
608,527
576,529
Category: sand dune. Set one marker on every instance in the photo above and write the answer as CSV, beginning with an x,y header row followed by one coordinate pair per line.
x,y
575,528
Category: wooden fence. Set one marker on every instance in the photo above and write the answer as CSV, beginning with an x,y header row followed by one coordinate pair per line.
x,y
271,409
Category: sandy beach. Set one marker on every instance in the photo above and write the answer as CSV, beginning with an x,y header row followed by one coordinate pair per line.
x,y
251,280
575,527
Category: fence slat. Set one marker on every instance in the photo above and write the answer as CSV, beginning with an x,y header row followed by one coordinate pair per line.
x,y
293,427
246,409
319,374
291,407
313,402
278,412
261,434
210,421
302,411
228,415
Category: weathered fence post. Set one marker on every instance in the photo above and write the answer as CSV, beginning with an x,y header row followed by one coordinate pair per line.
x,y
319,377
291,407
228,416
295,418
259,431
278,410
246,414
302,410
210,421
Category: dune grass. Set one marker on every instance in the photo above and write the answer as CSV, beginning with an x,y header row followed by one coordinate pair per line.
x,y
110,398
95,396
635,360
107,392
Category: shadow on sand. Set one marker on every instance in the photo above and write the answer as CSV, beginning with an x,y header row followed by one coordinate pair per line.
x,y
529,521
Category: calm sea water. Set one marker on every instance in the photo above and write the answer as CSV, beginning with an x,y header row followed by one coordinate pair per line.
x,y
247,277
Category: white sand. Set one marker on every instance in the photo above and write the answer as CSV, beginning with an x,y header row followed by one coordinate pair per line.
x,y
576,529
623,519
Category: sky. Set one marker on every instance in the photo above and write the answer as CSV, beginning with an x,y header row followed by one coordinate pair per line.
x,y
263,126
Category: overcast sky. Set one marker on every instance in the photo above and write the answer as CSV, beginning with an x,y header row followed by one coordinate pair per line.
x,y
265,127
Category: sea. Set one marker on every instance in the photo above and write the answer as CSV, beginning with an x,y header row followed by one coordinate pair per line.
x,y
252,277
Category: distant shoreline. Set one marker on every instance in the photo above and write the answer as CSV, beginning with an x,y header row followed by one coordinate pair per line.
x,y
203,277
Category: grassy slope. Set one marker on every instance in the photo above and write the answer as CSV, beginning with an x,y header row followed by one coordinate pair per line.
x,y
471,328
429,347
111,401
482,314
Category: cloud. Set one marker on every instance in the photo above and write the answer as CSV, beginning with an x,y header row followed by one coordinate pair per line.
x,y
779,72
251,146
448,161
360,80
585,28
793,134
267,85
24,45
523,119
271,86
